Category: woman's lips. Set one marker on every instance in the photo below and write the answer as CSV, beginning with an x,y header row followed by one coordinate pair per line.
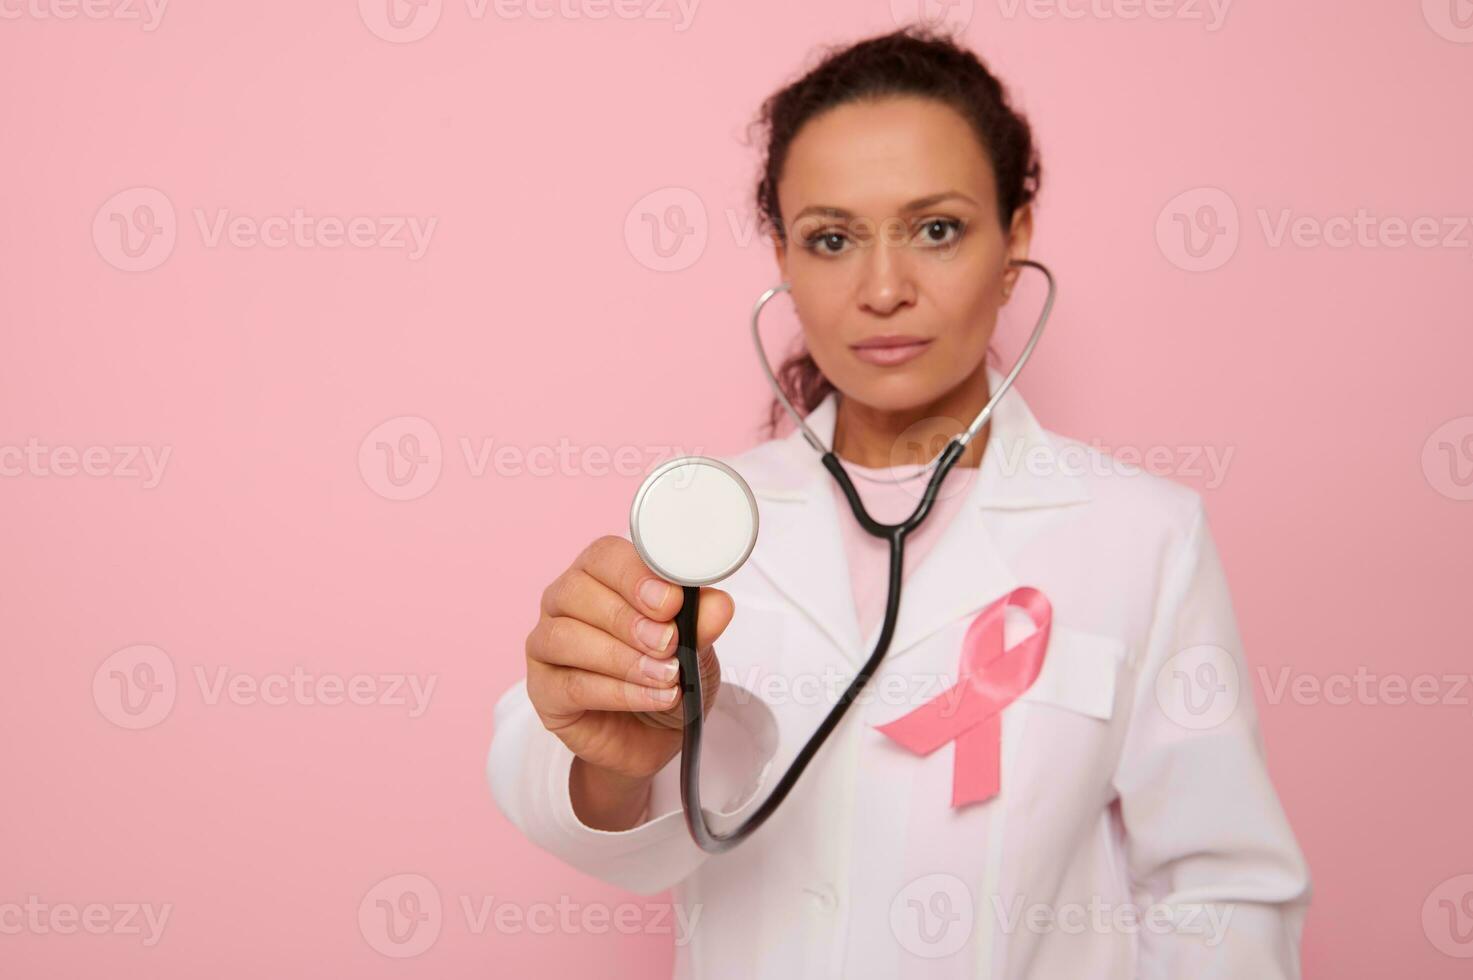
x,y
890,350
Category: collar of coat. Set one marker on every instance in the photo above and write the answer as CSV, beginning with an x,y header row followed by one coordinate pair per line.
x,y
800,548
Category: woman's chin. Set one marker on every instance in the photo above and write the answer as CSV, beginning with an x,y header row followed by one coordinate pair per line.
x,y
896,392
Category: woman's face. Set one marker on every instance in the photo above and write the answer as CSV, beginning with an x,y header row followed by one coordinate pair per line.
x,y
893,235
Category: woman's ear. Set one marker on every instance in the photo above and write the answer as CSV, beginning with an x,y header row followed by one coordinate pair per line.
x,y
1020,236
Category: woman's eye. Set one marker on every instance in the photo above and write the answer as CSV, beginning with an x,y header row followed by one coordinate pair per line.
x,y
940,231
825,242
936,233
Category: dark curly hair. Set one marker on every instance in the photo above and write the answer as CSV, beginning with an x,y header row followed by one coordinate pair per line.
x,y
918,60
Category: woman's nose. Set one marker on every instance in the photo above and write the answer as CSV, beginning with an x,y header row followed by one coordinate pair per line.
x,y
887,283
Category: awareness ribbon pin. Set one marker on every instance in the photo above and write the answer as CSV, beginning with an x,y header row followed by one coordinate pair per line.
x,y
970,711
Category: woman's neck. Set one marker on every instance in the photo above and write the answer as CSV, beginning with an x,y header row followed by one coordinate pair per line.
x,y
877,438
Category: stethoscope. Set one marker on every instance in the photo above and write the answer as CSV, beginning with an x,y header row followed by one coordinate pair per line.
x,y
694,522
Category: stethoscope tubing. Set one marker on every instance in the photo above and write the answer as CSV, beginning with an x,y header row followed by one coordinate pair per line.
x,y
692,694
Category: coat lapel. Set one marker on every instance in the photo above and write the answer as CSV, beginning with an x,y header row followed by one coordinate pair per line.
x,y
800,546
799,543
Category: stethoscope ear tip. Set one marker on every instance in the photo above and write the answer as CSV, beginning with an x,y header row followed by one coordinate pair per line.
x,y
694,520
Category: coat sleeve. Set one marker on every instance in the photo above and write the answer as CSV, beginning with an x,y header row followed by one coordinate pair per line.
x,y
1210,852
528,768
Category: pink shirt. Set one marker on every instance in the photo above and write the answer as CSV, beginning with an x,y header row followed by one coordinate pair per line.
x,y
890,498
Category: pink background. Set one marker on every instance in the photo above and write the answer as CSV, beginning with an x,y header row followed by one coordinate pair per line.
x,y
542,313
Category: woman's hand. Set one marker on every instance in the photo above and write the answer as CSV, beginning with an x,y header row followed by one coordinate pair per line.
x,y
601,674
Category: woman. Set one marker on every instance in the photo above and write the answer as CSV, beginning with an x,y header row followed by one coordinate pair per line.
x,y
1133,830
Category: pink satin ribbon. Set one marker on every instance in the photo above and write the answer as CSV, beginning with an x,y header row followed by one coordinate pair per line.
x,y
970,711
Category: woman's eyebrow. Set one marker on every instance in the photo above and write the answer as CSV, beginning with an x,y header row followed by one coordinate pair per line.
x,y
828,210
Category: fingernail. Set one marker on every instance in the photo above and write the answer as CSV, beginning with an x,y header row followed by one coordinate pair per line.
x,y
654,635
654,592
664,671
664,695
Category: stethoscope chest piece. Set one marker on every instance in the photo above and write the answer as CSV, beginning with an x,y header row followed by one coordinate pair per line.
x,y
694,521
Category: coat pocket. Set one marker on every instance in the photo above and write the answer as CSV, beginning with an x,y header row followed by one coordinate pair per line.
x,y
1080,672
1064,743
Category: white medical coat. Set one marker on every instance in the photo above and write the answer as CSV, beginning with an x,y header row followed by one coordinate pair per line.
x,y
1136,833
